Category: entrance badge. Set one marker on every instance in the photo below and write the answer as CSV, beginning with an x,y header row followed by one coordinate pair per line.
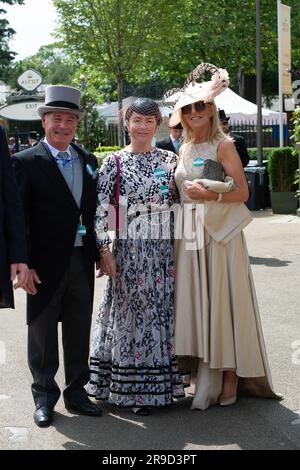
x,y
81,230
90,171
198,162
164,189
159,173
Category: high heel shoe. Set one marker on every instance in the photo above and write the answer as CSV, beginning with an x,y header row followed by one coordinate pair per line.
x,y
141,411
228,401
225,399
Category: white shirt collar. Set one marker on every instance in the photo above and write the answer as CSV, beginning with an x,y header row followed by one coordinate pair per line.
x,y
55,151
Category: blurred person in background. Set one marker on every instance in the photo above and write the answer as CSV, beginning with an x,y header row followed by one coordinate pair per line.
x,y
13,257
238,140
173,141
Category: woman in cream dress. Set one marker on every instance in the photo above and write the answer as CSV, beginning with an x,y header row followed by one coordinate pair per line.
x,y
218,334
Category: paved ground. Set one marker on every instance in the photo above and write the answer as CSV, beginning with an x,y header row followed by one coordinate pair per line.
x,y
274,247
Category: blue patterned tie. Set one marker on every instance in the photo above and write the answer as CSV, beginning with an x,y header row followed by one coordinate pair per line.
x,y
64,161
63,158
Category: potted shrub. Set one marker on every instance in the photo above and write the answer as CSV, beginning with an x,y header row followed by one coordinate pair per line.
x,y
282,167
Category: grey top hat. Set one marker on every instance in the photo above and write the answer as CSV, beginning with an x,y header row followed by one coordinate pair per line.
x,y
61,98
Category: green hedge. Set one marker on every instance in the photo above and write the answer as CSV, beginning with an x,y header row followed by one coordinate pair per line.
x,y
107,149
100,157
282,168
102,152
267,152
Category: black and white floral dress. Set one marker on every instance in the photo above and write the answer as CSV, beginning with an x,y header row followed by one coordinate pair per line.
x,y
132,360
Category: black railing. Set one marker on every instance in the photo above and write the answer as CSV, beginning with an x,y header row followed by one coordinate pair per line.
x,y
248,130
111,134
270,133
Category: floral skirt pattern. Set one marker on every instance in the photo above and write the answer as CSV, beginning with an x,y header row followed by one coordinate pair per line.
x,y
132,361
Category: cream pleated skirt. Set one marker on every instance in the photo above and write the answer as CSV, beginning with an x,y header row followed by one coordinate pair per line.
x,y
217,324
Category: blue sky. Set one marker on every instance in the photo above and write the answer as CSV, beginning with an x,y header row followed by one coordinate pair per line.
x,y
33,22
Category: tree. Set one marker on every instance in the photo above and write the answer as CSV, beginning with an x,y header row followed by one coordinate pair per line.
x,y
155,44
122,38
6,33
51,61
223,33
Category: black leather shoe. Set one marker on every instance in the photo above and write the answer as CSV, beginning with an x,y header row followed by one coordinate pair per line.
x,y
85,407
43,416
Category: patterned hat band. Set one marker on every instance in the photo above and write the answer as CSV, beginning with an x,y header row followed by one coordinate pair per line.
x,y
63,104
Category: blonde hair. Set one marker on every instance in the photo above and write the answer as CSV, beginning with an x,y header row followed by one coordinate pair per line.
x,y
215,133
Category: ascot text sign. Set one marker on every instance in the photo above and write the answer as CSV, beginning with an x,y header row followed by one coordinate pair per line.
x,y
30,80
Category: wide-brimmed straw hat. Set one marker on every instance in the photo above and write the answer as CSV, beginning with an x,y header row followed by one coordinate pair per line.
x,y
193,91
61,99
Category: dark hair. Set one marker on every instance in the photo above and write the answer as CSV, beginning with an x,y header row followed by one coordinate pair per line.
x,y
144,106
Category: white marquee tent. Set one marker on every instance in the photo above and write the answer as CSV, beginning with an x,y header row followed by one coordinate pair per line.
x,y
236,107
239,109
109,111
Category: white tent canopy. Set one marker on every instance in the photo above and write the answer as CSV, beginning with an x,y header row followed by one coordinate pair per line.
x,y
109,111
236,107
239,109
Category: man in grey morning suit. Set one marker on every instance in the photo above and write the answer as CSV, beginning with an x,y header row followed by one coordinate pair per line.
x,y
58,189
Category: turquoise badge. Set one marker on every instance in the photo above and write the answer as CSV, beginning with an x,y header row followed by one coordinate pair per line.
x,y
159,173
164,189
81,230
90,171
198,162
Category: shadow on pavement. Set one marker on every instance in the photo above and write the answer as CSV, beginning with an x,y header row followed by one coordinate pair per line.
x,y
253,423
272,262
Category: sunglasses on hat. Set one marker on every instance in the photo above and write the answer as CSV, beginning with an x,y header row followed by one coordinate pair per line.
x,y
199,107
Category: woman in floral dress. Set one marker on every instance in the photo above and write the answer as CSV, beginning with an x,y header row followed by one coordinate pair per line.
x,y
132,360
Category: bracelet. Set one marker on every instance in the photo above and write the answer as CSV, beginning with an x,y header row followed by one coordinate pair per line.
x,y
219,199
104,250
